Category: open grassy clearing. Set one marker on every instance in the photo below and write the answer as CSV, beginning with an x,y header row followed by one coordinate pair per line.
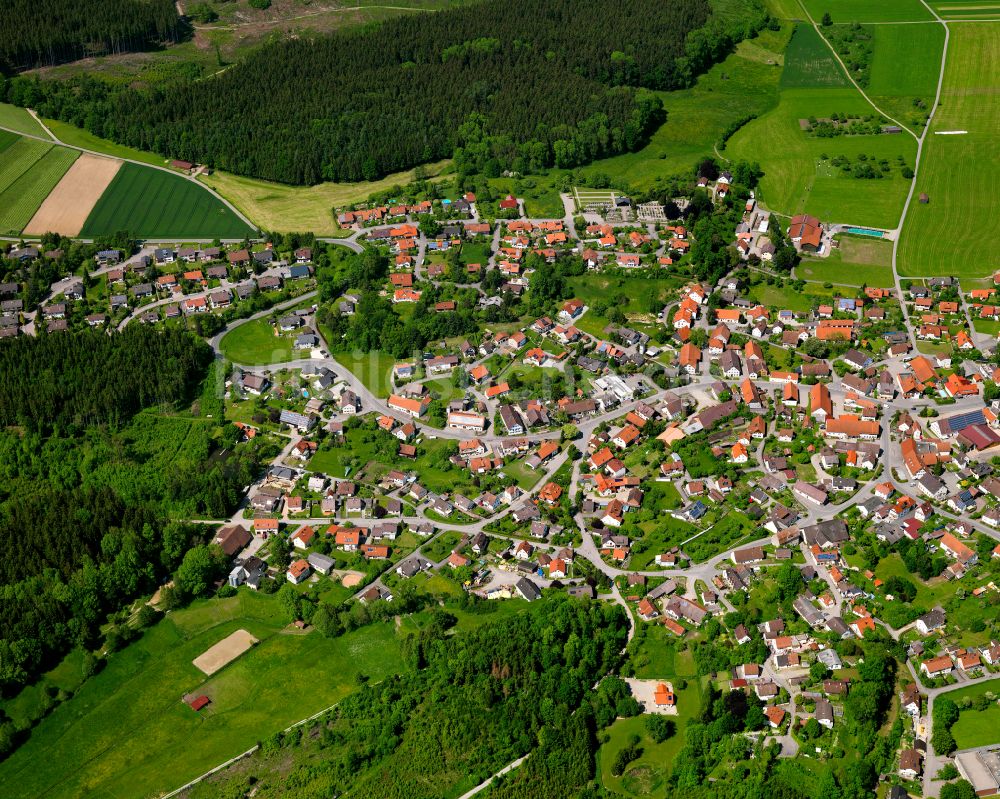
x,y
867,11
798,175
857,261
281,208
254,344
374,369
78,137
127,733
19,120
641,299
949,234
905,65
22,198
745,83
152,203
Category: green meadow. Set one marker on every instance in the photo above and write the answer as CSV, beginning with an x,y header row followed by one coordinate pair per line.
x,y
798,174
254,344
128,733
745,84
869,10
950,234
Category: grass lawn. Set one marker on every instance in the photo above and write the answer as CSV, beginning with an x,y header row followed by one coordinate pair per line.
x,y
865,11
17,119
745,83
905,64
78,137
646,775
150,203
857,261
946,235
640,299
127,733
977,727
254,344
539,192
281,208
374,369
798,176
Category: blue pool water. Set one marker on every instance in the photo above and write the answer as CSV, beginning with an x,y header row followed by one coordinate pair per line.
x,y
866,231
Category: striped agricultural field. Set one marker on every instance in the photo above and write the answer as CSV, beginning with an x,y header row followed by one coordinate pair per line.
x,y
69,204
18,158
21,198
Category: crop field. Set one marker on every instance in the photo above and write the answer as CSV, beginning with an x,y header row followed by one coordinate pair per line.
x,y
151,203
280,208
798,175
20,200
857,261
905,64
18,157
746,83
868,11
127,733
967,9
66,208
20,121
948,235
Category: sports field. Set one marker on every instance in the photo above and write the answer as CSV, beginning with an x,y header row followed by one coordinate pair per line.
x,y
798,174
951,233
904,68
127,733
746,83
152,203
868,10
21,197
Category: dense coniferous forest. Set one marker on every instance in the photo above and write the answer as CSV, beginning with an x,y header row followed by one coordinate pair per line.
x,y
44,32
92,378
468,704
501,84
87,483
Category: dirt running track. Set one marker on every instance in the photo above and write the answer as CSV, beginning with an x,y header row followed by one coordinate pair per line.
x,y
74,197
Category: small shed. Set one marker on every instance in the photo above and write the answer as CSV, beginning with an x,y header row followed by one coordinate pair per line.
x,y
924,198
199,702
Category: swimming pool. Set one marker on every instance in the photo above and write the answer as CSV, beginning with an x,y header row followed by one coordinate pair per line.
x,y
866,231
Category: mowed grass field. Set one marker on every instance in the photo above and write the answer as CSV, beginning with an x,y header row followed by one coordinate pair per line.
x,y
950,235
127,733
905,65
78,137
374,369
254,344
20,200
868,10
281,208
20,121
798,177
745,83
152,203
857,261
